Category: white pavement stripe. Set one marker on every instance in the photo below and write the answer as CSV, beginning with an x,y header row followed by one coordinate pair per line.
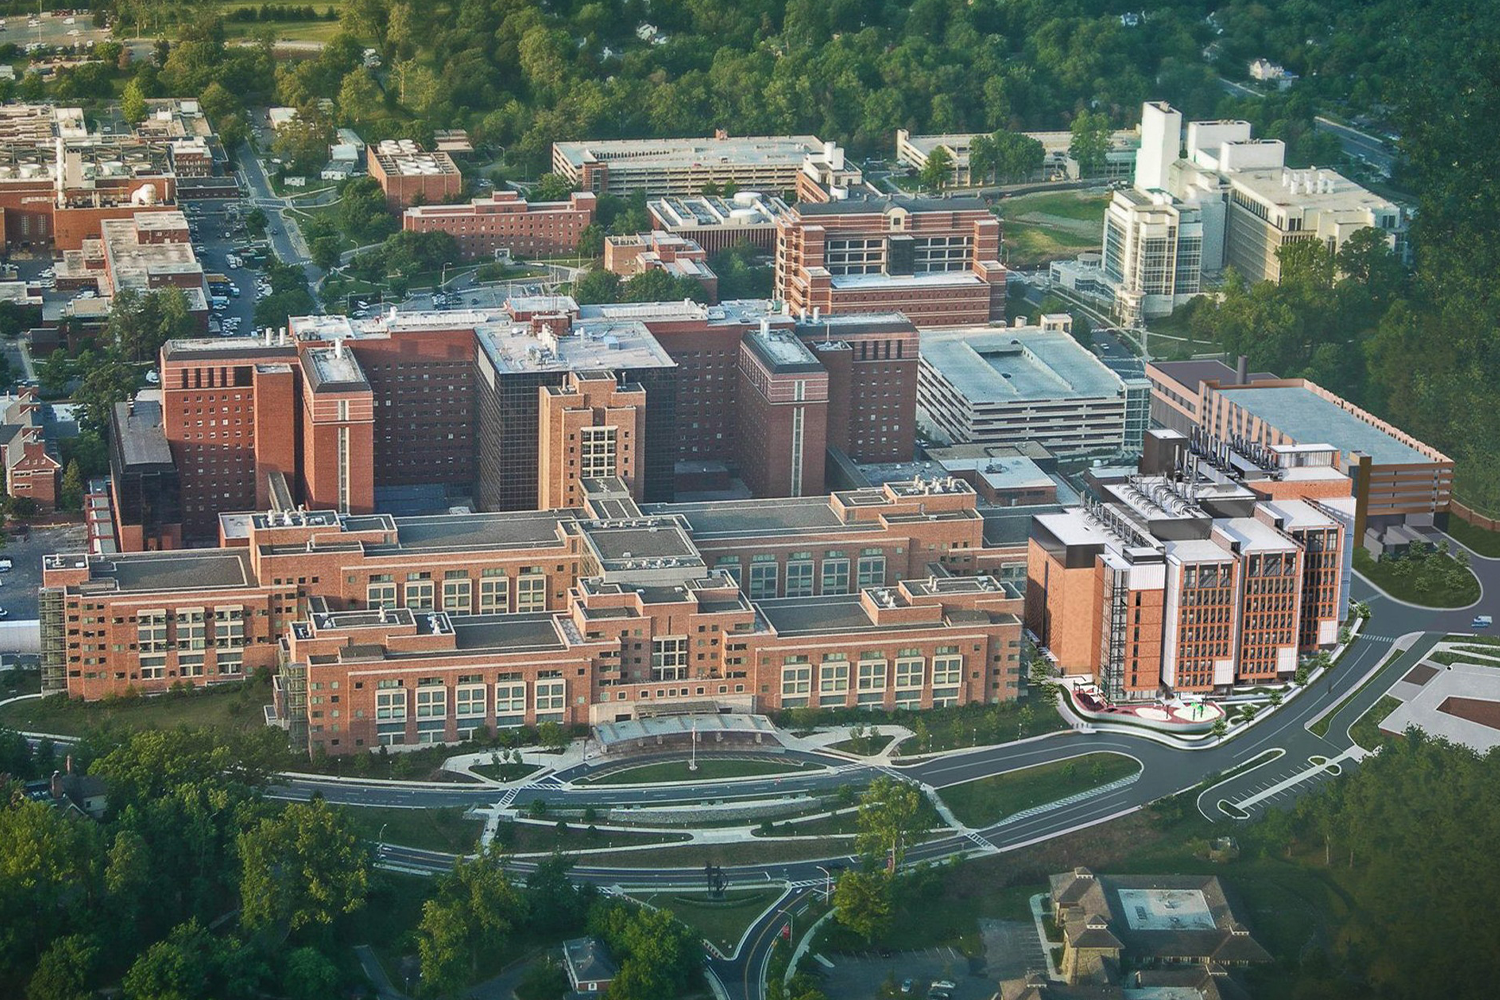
x,y
1354,753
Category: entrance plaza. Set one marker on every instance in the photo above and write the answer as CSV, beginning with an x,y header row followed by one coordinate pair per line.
x,y
714,731
1460,703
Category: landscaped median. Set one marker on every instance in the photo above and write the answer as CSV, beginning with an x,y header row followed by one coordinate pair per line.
x,y
709,769
987,801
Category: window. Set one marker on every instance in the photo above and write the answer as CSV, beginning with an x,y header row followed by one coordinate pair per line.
x,y
835,575
192,632
381,592
390,706
871,568
597,458
910,671
432,701
229,628
531,590
151,631
510,704
494,592
419,595
799,575
833,678
796,683
457,592
762,577
669,658
468,701
551,697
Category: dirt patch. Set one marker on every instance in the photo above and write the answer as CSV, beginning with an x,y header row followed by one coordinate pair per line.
x,y
1420,674
1484,713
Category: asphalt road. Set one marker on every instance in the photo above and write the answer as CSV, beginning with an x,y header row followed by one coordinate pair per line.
x,y
1164,770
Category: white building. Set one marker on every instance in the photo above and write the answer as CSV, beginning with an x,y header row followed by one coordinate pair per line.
x,y
1010,386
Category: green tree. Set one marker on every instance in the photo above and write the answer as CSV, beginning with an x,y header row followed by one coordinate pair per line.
x,y
862,902
888,813
550,187
937,172
133,102
65,970
303,867
597,286
70,494
308,975
1090,142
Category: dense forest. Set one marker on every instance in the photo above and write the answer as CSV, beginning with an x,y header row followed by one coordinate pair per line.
x,y
1406,839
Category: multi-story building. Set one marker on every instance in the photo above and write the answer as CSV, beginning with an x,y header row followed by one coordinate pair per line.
x,y
1175,388
145,496
144,252
517,363
449,403
410,176
229,416
716,223
1213,575
634,253
505,221
783,415
32,469
937,260
684,167
1057,154
407,630
1397,479
1004,386
1227,200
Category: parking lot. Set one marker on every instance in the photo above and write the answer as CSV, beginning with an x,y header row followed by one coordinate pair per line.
x,y
18,586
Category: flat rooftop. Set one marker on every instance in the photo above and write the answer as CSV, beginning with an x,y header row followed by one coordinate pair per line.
x,y
1318,191
669,154
1193,374
458,532
150,572
1012,365
1307,418
736,518
591,346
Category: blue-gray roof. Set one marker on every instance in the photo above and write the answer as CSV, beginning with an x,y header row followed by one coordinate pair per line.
x,y
1308,418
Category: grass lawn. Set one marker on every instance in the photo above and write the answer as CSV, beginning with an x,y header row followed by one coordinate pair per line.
x,y
232,706
696,856
1486,543
317,30
865,746
1077,205
1320,728
532,838
1030,245
720,921
1366,732
505,772
712,768
1452,588
445,829
989,800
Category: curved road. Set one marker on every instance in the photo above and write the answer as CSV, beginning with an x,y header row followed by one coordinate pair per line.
x,y
1282,738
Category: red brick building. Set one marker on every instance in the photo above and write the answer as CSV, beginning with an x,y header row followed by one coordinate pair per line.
x,y
507,221
410,176
937,260
634,254
574,615
31,469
